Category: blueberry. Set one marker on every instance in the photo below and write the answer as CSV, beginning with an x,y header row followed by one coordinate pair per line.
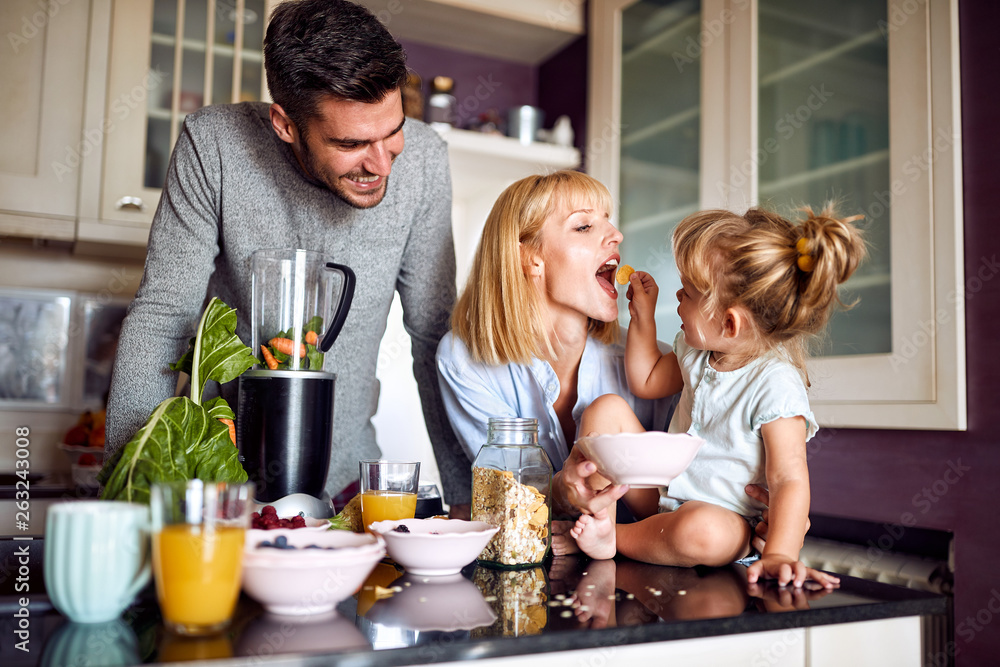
x,y
400,529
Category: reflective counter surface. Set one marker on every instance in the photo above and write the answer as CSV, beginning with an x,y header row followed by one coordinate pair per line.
x,y
398,618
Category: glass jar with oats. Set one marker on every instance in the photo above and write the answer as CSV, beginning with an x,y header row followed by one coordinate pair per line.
x,y
512,489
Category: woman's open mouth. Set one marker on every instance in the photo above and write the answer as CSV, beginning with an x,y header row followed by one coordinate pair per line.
x,y
606,277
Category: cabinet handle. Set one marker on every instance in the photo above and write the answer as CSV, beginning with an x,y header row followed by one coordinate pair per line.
x,y
130,203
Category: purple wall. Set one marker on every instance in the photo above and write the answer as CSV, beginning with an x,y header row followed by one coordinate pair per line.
x,y
562,88
558,86
481,83
949,480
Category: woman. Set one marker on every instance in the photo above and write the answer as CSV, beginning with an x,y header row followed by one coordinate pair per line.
x,y
535,332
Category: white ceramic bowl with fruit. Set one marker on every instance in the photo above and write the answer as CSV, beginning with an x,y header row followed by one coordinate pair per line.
x,y
312,573
434,547
267,518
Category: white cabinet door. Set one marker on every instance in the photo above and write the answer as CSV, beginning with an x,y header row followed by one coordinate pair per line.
x,y
42,70
799,103
167,58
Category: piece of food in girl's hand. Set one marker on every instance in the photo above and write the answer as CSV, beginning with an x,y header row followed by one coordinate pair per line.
x,y
287,346
624,273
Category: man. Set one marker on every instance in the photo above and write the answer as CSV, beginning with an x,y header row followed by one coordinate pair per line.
x,y
323,168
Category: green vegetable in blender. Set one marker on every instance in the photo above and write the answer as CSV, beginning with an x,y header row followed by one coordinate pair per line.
x,y
281,353
183,438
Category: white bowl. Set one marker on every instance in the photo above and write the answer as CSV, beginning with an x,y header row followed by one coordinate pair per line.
x,y
434,547
307,581
313,525
433,603
641,460
295,503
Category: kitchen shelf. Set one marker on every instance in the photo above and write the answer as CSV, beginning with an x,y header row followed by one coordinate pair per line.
x,y
479,161
521,31
200,46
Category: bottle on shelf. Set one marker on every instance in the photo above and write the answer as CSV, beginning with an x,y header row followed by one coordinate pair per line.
x,y
441,105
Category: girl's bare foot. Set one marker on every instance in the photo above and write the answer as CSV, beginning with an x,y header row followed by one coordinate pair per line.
x,y
595,535
562,543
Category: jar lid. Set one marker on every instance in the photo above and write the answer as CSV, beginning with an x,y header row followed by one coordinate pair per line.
x,y
442,84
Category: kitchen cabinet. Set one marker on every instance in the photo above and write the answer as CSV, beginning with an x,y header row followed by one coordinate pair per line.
x,y
42,78
158,47
731,103
521,31
164,59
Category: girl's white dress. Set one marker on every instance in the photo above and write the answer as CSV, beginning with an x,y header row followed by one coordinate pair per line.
x,y
727,409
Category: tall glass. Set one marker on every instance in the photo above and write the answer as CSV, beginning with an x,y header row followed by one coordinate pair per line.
x,y
388,490
198,530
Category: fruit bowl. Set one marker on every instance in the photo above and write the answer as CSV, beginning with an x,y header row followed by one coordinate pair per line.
x,y
299,580
641,460
266,519
297,503
434,547
80,455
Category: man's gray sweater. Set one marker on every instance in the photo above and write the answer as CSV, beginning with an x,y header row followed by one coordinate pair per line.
x,y
234,187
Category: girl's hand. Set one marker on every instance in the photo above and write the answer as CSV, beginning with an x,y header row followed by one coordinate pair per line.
x,y
642,294
787,570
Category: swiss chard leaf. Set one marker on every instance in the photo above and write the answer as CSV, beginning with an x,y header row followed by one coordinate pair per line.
x,y
315,324
216,352
181,440
315,358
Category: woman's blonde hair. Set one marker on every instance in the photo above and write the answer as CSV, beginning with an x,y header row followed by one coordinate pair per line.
x,y
498,315
784,274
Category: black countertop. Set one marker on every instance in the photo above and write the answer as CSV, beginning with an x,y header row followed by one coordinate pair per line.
x,y
571,604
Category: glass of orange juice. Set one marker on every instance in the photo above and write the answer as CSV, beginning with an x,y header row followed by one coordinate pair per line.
x,y
198,530
388,490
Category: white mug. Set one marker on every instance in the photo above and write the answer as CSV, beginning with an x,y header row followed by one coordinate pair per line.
x,y
97,557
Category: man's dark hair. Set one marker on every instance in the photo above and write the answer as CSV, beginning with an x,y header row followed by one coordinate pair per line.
x,y
317,48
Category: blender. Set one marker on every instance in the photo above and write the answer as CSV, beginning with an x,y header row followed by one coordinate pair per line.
x,y
284,420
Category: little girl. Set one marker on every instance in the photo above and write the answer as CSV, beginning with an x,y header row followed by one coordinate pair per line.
x,y
755,288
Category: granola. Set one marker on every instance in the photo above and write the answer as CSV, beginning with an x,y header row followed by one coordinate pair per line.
x,y
517,597
519,510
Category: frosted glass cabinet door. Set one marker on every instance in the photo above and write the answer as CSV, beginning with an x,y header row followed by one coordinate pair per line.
x,y
823,127
733,103
660,139
196,53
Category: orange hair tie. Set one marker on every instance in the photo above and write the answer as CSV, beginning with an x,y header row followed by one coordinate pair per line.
x,y
805,261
